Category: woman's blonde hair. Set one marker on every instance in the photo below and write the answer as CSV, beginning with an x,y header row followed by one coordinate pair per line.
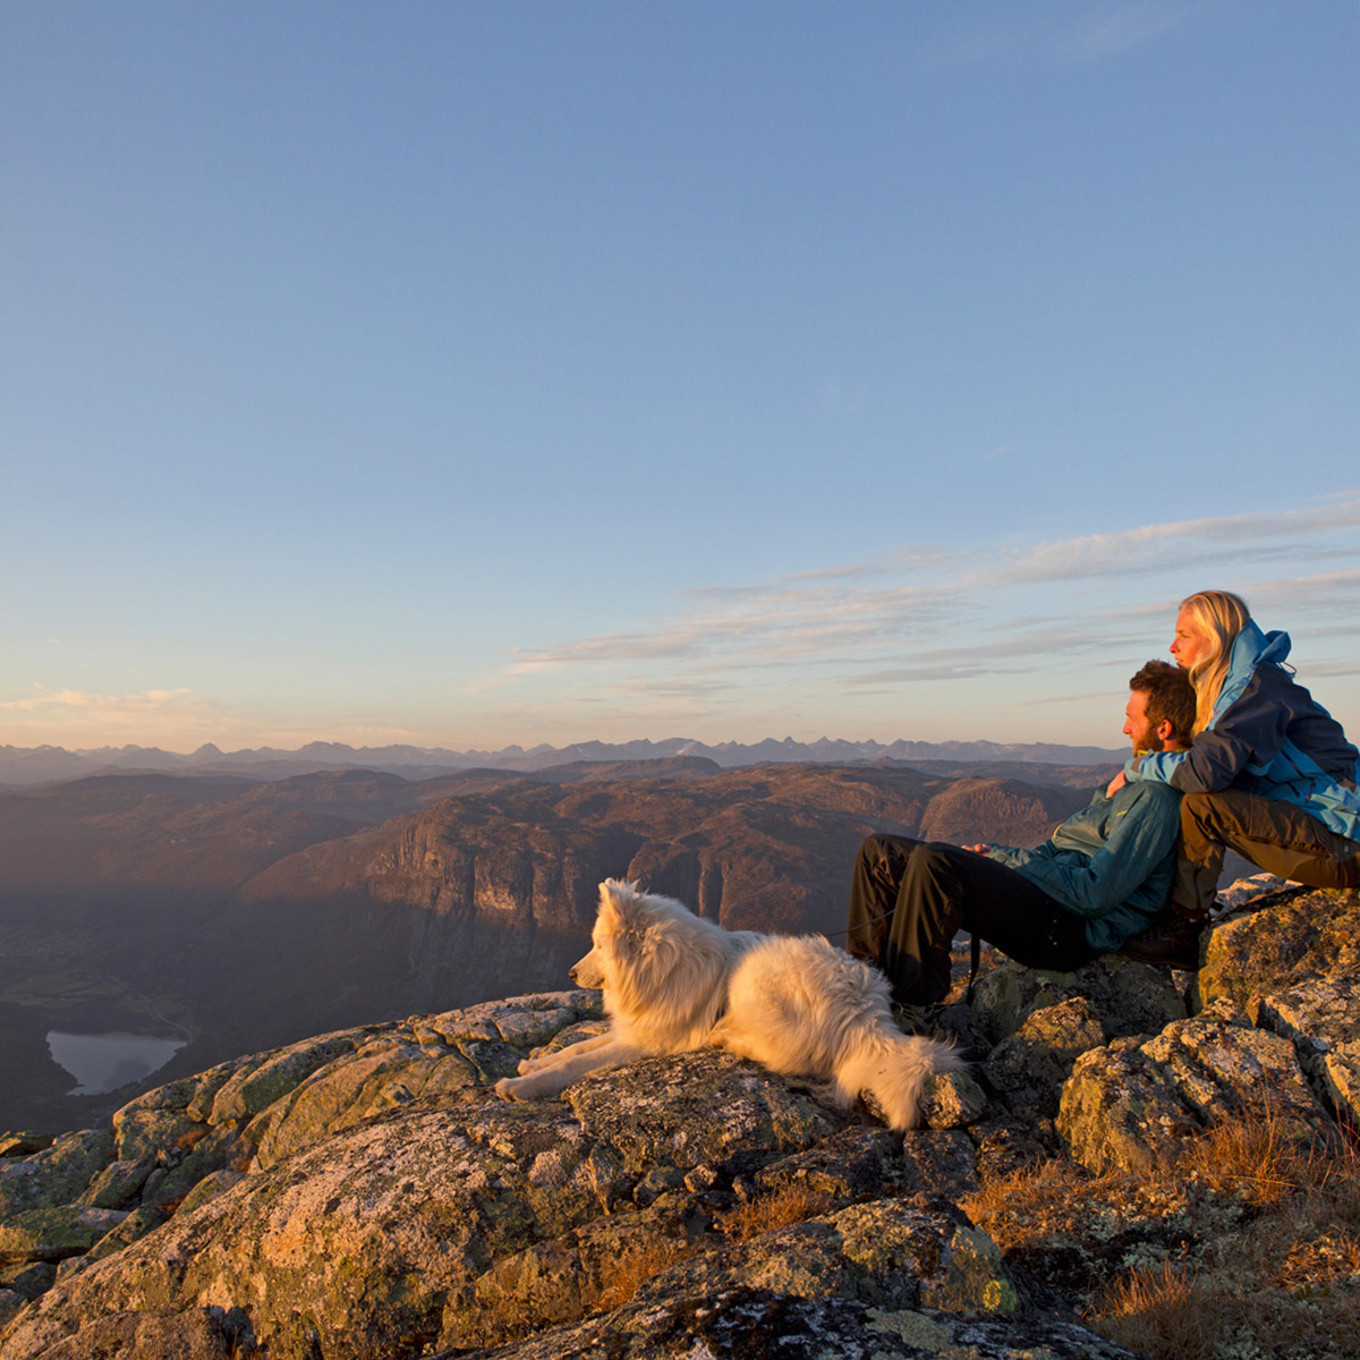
x,y
1222,615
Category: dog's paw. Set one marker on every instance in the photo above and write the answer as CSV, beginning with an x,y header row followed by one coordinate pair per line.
x,y
507,1088
527,1065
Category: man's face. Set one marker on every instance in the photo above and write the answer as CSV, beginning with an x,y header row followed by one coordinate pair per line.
x,y
1137,726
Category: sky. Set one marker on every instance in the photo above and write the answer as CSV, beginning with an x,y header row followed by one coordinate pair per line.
x,y
462,374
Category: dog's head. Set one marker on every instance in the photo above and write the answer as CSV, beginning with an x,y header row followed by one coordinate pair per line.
x,y
618,926
635,935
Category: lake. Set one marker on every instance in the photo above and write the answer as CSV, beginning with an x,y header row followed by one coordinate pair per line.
x,y
104,1062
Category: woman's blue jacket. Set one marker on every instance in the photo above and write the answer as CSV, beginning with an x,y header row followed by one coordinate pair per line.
x,y
1267,736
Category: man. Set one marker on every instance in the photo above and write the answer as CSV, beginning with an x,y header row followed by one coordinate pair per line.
x,y
1100,878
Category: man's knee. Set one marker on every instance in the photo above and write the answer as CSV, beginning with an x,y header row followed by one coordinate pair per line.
x,y
931,881
874,849
931,860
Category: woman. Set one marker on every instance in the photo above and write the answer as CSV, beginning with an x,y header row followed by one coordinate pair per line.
x,y
1270,773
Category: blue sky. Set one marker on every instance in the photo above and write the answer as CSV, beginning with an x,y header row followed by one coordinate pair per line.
x,y
464,374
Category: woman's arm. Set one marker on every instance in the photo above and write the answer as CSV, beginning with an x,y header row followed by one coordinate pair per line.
x,y
1249,731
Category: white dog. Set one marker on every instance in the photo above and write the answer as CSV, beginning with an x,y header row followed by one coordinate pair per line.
x,y
674,982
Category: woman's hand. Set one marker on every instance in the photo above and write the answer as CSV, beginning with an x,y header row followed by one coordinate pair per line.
x,y
1115,785
978,849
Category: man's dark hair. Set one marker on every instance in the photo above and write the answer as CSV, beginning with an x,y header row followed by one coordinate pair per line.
x,y
1171,698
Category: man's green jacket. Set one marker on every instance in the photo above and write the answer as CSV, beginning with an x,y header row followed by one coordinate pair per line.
x,y
1111,863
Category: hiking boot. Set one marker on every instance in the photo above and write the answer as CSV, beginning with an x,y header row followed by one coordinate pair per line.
x,y
1172,939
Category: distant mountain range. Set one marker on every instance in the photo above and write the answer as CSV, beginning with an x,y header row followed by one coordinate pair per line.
x,y
27,766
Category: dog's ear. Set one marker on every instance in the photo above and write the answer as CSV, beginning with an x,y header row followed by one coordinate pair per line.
x,y
618,901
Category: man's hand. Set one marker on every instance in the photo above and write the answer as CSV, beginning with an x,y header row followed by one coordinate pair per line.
x,y
978,849
1115,785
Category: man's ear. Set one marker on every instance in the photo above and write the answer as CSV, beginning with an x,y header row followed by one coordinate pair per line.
x,y
1166,734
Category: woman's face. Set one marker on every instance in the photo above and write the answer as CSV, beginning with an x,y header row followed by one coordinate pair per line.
x,y
1192,643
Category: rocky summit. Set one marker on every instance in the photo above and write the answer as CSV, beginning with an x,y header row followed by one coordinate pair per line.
x,y
363,1194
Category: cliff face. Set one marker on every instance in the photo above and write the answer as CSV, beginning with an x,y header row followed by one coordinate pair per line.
x,y
767,848
363,1194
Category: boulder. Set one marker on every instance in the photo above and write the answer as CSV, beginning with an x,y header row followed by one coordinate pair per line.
x,y
1281,946
1322,1020
1134,1104
23,1142
1027,1069
742,1320
54,1234
57,1174
1127,997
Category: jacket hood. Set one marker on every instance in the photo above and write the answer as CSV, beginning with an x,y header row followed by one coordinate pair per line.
x,y
1254,648
1251,649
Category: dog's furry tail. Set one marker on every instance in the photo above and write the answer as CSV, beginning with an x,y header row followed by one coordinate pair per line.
x,y
895,1068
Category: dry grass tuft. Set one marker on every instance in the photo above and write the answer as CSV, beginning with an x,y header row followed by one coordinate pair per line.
x,y
792,1204
1257,1158
1160,1313
1173,1314
633,1269
1030,1205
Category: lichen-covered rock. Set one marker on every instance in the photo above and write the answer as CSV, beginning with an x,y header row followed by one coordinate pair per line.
x,y
196,1156
57,1175
136,1225
157,1133
379,1075
23,1142
194,1334
856,1163
1127,997
886,1252
29,1280
744,1321
1282,946
119,1184
1322,1020
952,1100
561,1279
1028,1068
663,1110
1224,1067
1133,1105
54,1234
212,1185
254,1088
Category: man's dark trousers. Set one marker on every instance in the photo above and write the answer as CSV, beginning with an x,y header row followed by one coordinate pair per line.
x,y
908,898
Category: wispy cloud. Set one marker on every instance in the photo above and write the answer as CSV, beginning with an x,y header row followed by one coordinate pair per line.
x,y
1108,30
772,621
1074,34
954,615
107,707
79,719
1179,544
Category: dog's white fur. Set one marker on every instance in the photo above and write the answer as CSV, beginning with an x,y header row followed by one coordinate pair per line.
x,y
674,982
